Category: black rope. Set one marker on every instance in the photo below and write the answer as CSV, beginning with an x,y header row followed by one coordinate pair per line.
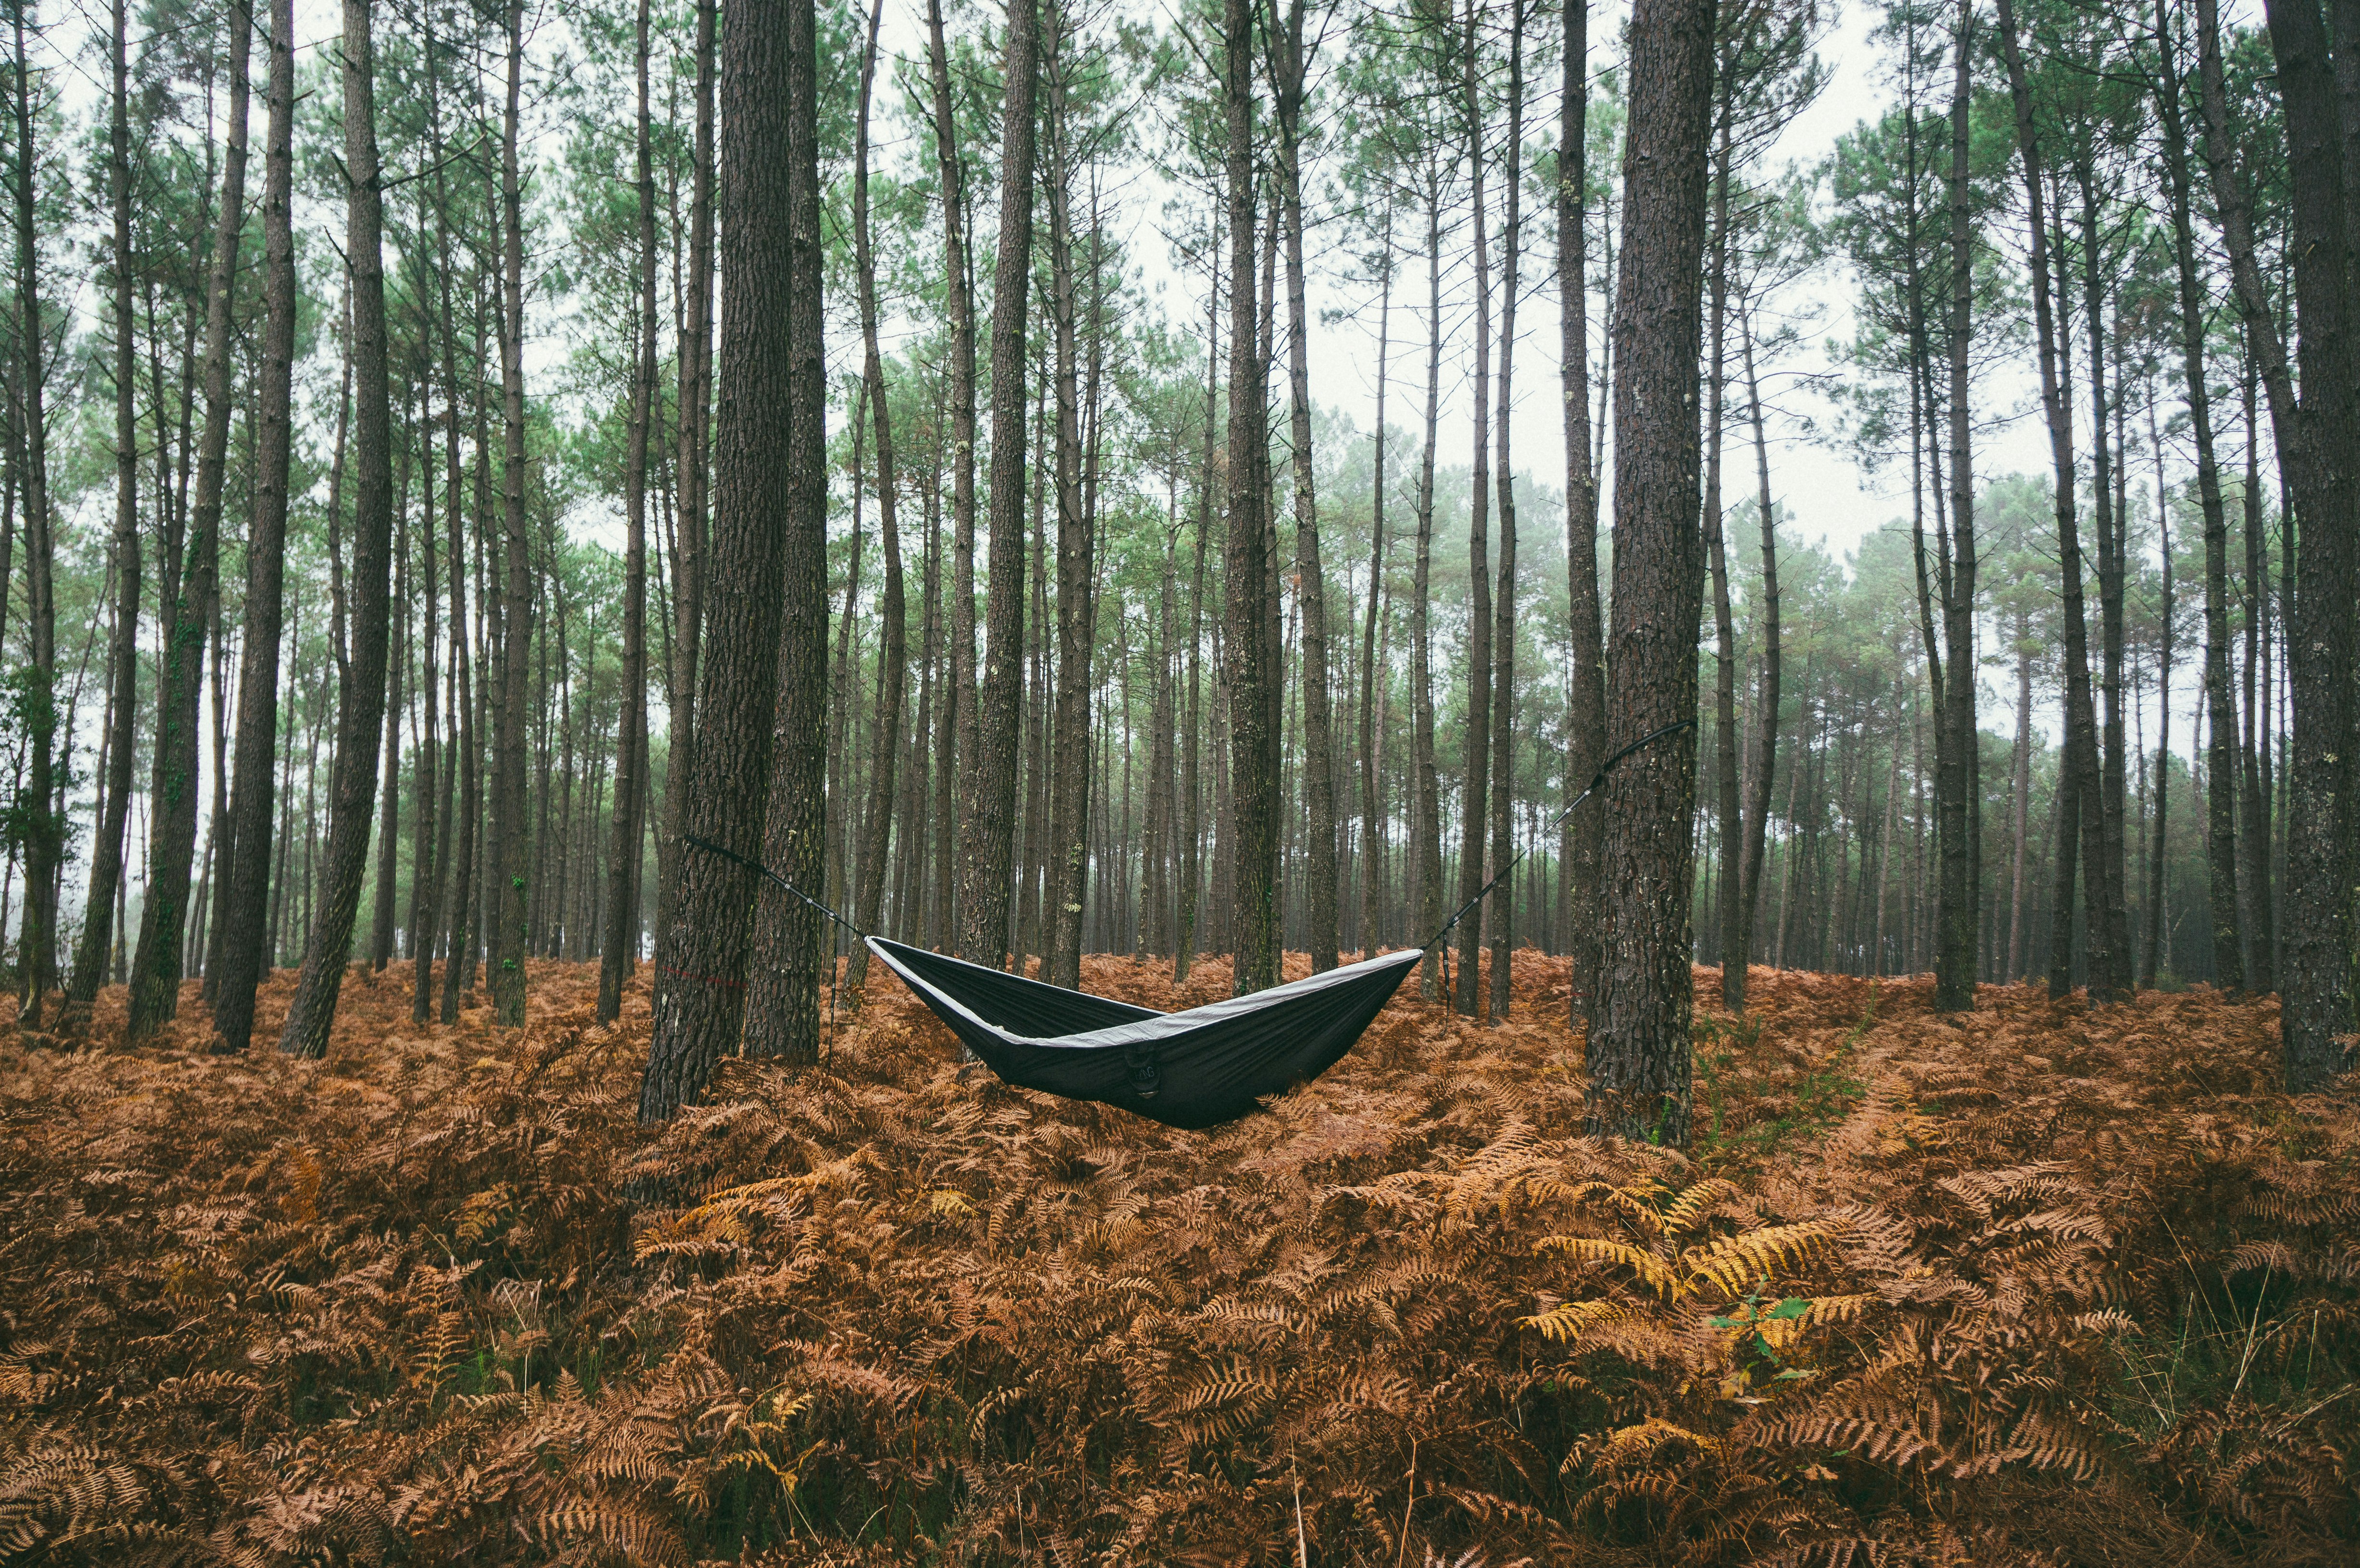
x,y
1597,782
710,847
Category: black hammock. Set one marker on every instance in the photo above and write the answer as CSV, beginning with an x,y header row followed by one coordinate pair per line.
x,y
1194,1069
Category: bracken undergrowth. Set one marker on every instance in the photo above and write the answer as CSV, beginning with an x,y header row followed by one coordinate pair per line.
x,y
2040,1284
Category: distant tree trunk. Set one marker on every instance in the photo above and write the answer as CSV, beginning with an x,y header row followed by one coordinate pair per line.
x,y
388,834
959,702
1638,1045
2261,972
1063,850
695,448
1961,802
155,971
1504,632
2220,721
1735,949
2085,799
987,818
1765,749
1291,66
770,366
1474,803
1425,815
1586,697
894,657
619,951
1372,735
1253,734
244,948
360,703
1192,815
97,946
2020,781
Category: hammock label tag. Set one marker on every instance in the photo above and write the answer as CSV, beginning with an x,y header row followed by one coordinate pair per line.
x,y
1146,1073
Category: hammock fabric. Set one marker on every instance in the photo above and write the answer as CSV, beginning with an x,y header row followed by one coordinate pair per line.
x,y
1194,1069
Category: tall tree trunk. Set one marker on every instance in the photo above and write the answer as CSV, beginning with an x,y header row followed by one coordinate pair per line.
x,y
96,948
2220,721
1504,603
768,570
1425,813
1253,734
388,835
2085,832
684,667
1961,803
2316,965
1063,848
155,994
1192,815
422,883
1736,950
511,854
2156,956
1765,746
1291,64
2261,971
987,818
1476,769
1585,745
1372,735
619,951
894,655
360,703
245,955
959,702
459,951
1638,1046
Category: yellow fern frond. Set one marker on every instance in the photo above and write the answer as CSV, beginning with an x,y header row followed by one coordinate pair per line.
x,y
1734,1262
1567,1319
1652,1270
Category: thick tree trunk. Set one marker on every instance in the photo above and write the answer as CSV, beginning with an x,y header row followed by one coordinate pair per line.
x,y
1192,815
767,370
96,949
1253,734
1638,1046
155,994
693,463
619,951
1585,745
361,703
870,903
245,954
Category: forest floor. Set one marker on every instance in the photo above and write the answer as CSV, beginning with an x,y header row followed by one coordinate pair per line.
x,y
2039,1285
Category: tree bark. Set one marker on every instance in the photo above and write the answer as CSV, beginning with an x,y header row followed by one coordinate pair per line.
x,y
2261,970
1585,745
245,955
1064,847
1290,67
361,700
1736,949
1253,734
1959,805
511,858
1638,1045
1765,749
155,992
894,655
1372,735
767,375
2220,722
96,948
1504,603
987,818
1425,815
959,702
